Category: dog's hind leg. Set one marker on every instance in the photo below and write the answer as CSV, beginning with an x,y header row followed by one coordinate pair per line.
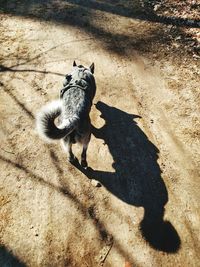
x,y
85,143
67,146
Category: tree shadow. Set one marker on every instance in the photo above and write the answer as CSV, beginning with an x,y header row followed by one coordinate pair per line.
x,y
137,178
84,15
8,259
56,10
134,9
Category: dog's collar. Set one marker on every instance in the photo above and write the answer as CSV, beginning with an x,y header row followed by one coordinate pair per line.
x,y
81,84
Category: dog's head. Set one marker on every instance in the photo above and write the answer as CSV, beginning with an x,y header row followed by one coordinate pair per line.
x,y
79,72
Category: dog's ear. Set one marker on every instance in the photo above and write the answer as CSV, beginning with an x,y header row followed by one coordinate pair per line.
x,y
92,68
74,64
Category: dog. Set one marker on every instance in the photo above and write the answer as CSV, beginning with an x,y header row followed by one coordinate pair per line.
x,y
72,109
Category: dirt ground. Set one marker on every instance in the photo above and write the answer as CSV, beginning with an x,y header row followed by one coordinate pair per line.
x,y
144,150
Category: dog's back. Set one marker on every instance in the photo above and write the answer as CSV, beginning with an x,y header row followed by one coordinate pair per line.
x,y
76,104
81,89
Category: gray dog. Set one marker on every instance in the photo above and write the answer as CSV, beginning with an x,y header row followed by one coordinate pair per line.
x,y
72,110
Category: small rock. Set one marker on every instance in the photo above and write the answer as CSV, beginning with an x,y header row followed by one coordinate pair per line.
x,y
176,45
196,56
156,7
95,183
178,38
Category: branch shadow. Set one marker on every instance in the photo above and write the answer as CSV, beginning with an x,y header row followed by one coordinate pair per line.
x,y
8,259
18,102
137,178
11,69
37,57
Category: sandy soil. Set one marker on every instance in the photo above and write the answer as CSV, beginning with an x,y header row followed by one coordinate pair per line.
x,y
144,150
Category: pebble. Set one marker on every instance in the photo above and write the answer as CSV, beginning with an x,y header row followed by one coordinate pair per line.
x,y
95,183
156,7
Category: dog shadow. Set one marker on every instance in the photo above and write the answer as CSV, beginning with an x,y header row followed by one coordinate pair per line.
x,y
137,178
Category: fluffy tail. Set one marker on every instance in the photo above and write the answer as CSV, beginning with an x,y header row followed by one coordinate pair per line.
x,y
45,122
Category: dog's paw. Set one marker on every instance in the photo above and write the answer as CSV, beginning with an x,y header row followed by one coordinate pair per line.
x,y
84,164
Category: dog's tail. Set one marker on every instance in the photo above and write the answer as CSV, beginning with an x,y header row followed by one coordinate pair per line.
x,y
45,122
